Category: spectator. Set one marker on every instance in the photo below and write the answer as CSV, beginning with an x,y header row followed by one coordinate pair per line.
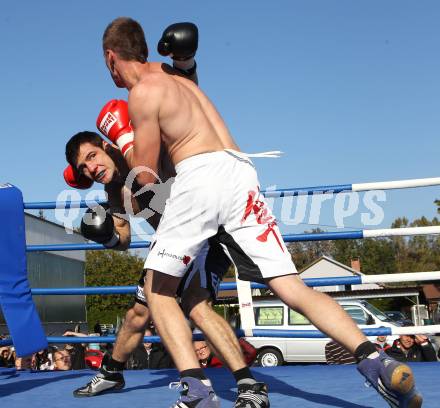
x,y
4,354
336,354
149,355
208,359
204,354
61,360
76,351
43,360
7,357
381,343
23,363
412,348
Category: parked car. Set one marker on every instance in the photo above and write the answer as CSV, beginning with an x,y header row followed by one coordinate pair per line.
x,y
273,314
398,317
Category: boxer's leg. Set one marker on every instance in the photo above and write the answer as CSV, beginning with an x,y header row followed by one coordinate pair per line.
x,y
160,290
198,289
217,331
130,335
326,314
110,377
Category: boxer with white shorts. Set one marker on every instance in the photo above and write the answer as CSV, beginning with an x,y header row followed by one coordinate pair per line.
x,y
229,208
216,193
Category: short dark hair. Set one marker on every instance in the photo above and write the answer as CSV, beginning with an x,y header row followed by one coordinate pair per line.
x,y
75,142
126,37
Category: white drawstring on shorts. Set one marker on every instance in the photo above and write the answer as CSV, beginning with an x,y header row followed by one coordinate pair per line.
x,y
272,154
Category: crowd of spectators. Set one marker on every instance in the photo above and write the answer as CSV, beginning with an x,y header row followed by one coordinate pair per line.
x,y
65,357
78,356
406,348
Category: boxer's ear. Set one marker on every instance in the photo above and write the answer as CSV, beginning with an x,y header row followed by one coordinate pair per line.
x,y
110,60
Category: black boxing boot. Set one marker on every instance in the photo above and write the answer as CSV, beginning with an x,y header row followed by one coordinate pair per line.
x,y
109,378
252,395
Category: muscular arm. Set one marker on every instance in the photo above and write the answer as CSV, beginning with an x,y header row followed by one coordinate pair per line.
x,y
123,228
144,108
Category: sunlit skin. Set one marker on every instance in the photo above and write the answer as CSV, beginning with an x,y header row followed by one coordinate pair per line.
x,y
155,105
95,163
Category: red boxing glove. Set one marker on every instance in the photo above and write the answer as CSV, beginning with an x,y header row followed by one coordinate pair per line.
x,y
75,180
113,122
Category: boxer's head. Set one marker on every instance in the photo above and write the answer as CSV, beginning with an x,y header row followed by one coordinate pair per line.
x,y
92,156
123,41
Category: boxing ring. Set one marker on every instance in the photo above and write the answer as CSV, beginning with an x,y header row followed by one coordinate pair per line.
x,y
305,386
312,385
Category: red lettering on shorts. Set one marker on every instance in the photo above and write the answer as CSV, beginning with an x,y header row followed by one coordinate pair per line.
x,y
186,259
262,216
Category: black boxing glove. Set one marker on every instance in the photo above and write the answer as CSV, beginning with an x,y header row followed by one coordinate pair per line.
x,y
97,225
180,41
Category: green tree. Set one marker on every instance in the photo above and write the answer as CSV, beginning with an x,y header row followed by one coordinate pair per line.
x,y
110,268
347,249
303,253
377,256
416,253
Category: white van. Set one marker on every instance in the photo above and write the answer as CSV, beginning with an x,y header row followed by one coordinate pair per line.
x,y
273,314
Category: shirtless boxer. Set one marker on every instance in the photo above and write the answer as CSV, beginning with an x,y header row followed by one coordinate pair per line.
x,y
103,163
216,193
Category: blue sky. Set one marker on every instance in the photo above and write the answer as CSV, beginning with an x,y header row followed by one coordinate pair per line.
x,y
349,90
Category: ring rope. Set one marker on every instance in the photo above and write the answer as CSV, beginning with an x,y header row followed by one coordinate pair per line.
x,y
322,236
286,192
313,282
312,334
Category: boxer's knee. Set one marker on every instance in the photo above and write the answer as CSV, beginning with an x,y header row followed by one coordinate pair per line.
x,y
199,311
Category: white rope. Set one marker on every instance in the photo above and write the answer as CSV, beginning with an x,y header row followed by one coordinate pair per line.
x,y
432,329
388,232
401,277
390,185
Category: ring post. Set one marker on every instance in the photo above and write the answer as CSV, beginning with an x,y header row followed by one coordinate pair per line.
x,y
15,294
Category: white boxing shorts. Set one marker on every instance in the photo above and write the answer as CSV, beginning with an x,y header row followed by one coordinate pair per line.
x,y
217,196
